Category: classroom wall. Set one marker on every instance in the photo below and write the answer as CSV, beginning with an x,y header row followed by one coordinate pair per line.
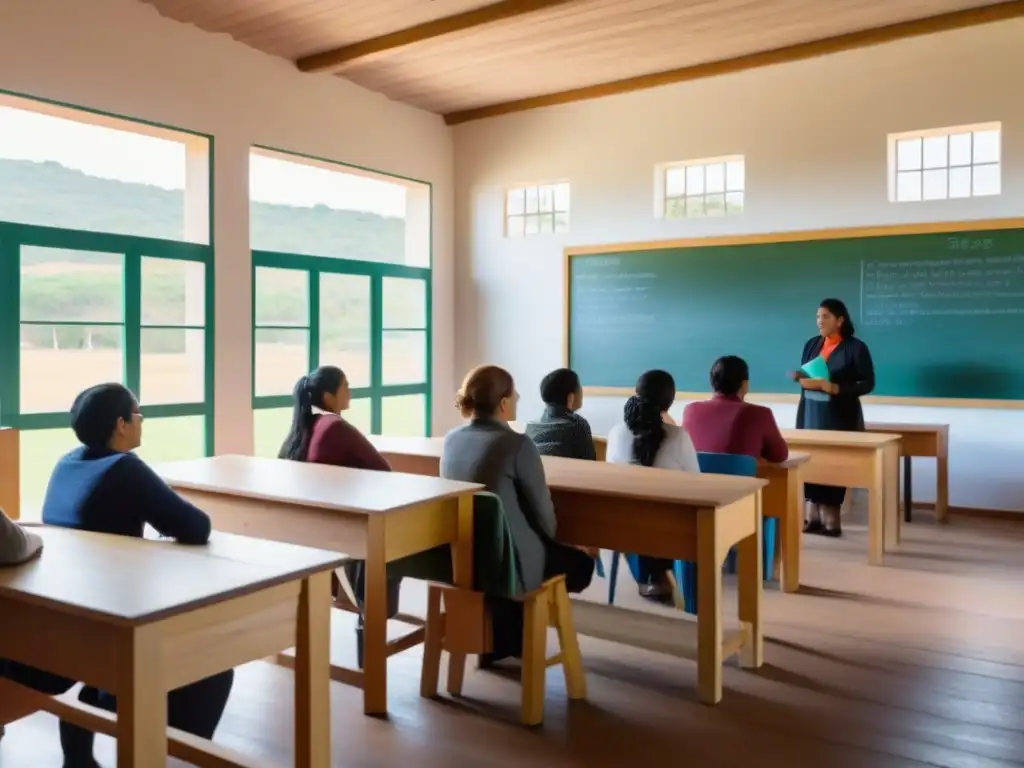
x,y
122,57
814,136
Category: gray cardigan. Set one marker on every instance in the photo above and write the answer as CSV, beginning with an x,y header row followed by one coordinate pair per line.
x,y
489,452
16,544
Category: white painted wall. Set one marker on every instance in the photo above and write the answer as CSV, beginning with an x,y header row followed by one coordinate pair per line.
x,y
120,56
814,137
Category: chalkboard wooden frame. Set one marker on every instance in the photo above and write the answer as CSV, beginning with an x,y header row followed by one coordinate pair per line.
x,y
923,228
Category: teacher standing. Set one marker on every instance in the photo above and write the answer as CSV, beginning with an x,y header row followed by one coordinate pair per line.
x,y
833,403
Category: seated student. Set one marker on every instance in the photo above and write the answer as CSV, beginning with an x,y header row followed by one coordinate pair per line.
x,y
560,430
727,424
647,436
486,450
102,486
324,437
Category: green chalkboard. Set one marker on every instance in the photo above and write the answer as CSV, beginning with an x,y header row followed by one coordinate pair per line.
x,y
942,312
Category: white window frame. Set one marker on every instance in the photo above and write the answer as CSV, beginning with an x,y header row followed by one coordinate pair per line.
x,y
559,192
893,171
661,196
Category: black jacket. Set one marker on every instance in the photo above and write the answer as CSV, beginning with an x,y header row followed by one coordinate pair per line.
x,y
851,369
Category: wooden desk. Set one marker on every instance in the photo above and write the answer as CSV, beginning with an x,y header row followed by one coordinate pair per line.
x,y
858,460
930,440
783,499
368,515
662,513
140,618
10,474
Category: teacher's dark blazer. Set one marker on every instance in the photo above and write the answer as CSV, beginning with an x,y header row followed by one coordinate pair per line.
x,y
851,368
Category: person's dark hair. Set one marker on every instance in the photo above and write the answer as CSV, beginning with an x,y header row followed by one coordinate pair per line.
x,y
728,374
838,309
309,392
96,410
556,387
655,393
482,391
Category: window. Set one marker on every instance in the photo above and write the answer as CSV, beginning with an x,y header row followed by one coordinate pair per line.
x,y
368,316
104,225
945,163
698,188
537,210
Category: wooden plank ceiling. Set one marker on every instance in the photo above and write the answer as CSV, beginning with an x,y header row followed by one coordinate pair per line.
x,y
468,59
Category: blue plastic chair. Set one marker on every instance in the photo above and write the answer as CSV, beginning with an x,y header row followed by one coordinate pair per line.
x,y
686,572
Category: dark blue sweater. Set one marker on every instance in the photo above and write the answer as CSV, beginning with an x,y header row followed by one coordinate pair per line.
x,y
109,492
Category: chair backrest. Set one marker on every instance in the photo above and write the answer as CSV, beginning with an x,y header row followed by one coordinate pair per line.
x,y
495,561
727,464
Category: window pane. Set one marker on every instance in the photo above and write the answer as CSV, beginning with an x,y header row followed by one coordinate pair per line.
x,y
714,205
935,151
532,224
173,439
531,200
547,222
404,357
547,199
282,356
561,222
562,197
734,202
515,226
345,325
71,286
282,297
516,200
40,450
173,292
715,177
694,206
908,154
404,416
735,173
405,302
960,182
675,207
960,149
908,186
172,366
269,428
675,182
986,180
58,362
935,184
695,179
986,147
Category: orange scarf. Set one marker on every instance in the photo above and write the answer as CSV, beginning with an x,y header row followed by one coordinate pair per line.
x,y
831,342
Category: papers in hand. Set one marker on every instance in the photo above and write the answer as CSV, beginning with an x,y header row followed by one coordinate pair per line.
x,y
816,368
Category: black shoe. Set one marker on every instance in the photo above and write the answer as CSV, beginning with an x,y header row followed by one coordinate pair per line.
x,y
814,526
833,533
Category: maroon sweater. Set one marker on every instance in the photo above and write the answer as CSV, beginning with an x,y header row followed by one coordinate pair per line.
x,y
729,425
335,441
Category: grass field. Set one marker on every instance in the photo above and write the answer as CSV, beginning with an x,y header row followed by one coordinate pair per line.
x,y
52,378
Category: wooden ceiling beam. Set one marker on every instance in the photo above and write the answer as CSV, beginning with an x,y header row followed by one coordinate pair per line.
x,y
335,59
1008,9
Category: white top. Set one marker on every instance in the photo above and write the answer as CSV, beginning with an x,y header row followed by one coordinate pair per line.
x,y
16,544
676,451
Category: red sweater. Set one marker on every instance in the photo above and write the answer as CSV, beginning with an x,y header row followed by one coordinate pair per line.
x,y
335,441
729,425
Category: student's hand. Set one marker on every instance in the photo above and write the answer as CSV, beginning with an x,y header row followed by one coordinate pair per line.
x,y
594,552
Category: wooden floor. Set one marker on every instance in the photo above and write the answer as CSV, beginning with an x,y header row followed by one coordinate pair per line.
x,y
920,663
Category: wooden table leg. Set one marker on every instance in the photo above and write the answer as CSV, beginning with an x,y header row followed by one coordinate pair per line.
x,y
893,527
141,700
908,489
749,588
313,674
462,576
942,485
375,622
791,528
709,609
876,511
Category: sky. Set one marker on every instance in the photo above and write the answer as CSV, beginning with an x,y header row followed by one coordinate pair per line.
x,y
126,156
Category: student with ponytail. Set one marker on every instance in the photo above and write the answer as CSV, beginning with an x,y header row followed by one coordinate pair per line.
x,y
647,436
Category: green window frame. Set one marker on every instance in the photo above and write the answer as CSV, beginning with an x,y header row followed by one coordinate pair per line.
x,y
13,237
316,266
